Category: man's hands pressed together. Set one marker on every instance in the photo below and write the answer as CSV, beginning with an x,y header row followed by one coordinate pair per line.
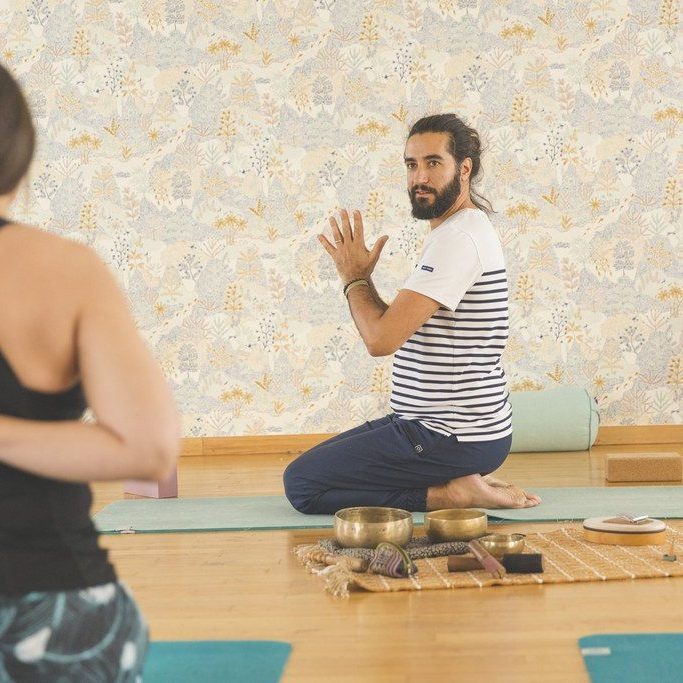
x,y
350,255
383,328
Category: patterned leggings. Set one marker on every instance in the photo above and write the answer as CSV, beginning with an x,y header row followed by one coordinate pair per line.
x,y
91,635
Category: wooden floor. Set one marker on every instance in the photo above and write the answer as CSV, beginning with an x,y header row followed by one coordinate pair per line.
x,y
248,585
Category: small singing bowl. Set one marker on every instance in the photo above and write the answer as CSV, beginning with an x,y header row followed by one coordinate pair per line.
x,y
461,524
502,544
365,527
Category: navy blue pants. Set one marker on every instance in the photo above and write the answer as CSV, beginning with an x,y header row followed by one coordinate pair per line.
x,y
387,462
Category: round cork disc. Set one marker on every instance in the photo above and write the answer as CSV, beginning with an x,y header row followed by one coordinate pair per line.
x,y
599,530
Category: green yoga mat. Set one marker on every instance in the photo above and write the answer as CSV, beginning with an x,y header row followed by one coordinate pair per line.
x,y
241,513
559,419
275,512
216,661
579,502
633,657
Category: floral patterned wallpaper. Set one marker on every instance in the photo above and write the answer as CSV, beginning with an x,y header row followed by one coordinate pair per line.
x,y
199,145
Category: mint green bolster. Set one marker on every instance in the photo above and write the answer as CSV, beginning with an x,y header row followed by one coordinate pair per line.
x,y
560,419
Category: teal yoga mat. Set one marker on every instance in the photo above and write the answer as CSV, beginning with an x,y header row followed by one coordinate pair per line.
x,y
579,502
559,419
216,661
205,514
275,512
633,657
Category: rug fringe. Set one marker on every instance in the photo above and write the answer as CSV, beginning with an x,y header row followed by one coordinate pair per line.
x,y
302,551
338,578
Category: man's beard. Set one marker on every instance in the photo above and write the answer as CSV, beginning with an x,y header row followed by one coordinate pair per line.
x,y
422,210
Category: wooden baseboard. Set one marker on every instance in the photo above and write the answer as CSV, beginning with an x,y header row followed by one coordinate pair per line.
x,y
294,444
287,444
639,435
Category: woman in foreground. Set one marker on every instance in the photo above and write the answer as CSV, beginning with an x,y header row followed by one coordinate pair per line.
x,y
67,341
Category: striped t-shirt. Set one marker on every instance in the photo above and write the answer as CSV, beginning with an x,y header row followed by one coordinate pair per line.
x,y
448,375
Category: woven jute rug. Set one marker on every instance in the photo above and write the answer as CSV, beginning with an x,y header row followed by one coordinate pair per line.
x,y
567,558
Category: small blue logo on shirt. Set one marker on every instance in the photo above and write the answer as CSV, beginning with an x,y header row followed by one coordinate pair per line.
x,y
429,269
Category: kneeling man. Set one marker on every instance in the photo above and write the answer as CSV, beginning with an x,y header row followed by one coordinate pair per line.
x,y
451,424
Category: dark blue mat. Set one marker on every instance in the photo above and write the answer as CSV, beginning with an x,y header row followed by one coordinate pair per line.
x,y
216,661
633,657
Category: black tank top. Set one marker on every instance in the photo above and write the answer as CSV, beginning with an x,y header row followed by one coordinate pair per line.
x,y
47,539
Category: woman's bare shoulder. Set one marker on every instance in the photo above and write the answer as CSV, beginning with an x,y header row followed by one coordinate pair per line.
x,y
51,267
48,248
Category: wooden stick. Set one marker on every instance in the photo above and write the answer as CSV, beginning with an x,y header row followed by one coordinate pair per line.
x,y
463,563
489,562
517,563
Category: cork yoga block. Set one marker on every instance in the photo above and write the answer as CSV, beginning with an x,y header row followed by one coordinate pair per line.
x,y
644,467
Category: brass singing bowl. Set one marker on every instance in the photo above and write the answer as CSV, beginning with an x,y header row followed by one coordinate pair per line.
x,y
502,544
462,524
365,527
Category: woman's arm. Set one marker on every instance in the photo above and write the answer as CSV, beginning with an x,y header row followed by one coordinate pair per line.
x,y
136,433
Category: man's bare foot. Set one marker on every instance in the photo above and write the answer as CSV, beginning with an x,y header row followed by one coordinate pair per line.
x,y
474,491
531,499
499,483
493,481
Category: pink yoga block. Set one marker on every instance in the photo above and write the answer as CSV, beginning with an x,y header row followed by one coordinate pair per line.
x,y
153,489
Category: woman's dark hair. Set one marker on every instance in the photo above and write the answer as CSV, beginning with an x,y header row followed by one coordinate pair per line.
x,y
17,135
463,142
